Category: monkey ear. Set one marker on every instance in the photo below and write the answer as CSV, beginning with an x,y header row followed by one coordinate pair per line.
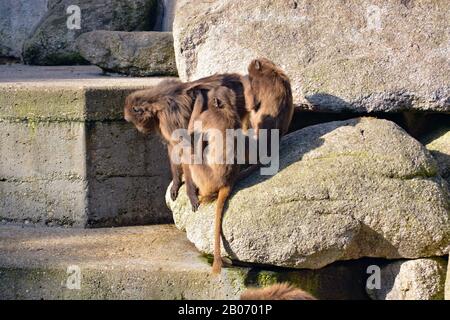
x,y
257,65
217,103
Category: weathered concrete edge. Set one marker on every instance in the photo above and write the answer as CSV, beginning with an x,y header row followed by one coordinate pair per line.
x,y
60,104
117,283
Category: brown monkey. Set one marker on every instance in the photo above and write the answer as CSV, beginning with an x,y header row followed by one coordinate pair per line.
x,y
268,96
215,176
279,291
168,106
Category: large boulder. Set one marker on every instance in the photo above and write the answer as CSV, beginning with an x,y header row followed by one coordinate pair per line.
x,y
345,190
17,21
131,53
420,279
53,43
346,55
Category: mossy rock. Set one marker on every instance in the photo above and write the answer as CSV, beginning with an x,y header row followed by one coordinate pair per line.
x,y
419,279
345,190
52,43
131,53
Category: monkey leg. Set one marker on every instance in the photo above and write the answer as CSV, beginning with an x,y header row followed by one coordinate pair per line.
x,y
191,189
177,173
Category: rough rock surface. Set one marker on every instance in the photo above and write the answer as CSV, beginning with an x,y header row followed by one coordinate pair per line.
x,y
53,43
135,263
17,21
349,189
359,56
439,147
421,279
132,53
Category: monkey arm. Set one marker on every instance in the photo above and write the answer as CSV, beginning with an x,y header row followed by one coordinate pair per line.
x,y
248,94
177,173
196,111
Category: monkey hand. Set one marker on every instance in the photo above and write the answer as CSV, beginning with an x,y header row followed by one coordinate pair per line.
x,y
194,202
174,191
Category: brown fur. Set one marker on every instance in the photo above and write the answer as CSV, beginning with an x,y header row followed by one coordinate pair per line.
x,y
168,106
212,178
268,96
279,291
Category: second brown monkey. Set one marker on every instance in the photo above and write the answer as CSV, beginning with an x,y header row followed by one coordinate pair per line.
x,y
215,176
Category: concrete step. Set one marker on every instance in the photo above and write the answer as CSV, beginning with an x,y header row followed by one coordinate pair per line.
x,y
68,158
152,262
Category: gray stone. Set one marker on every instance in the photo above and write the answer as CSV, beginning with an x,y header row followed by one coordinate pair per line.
x,y
53,43
42,149
43,200
346,56
439,147
17,21
421,279
68,158
78,174
131,53
166,15
135,263
345,190
127,174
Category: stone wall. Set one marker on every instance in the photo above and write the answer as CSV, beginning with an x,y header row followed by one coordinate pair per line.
x,y
67,157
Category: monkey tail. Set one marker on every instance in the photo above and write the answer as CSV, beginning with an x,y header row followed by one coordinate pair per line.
x,y
224,192
278,291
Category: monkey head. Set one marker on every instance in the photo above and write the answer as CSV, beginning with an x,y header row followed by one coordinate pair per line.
x,y
263,77
261,68
141,109
222,98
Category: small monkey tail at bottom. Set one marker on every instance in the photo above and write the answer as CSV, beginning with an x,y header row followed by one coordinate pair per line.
x,y
222,197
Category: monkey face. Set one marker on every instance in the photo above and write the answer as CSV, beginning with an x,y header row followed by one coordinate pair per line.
x,y
142,114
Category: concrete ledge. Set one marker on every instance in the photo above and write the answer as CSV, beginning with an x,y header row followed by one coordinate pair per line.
x,y
67,157
153,262
77,93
